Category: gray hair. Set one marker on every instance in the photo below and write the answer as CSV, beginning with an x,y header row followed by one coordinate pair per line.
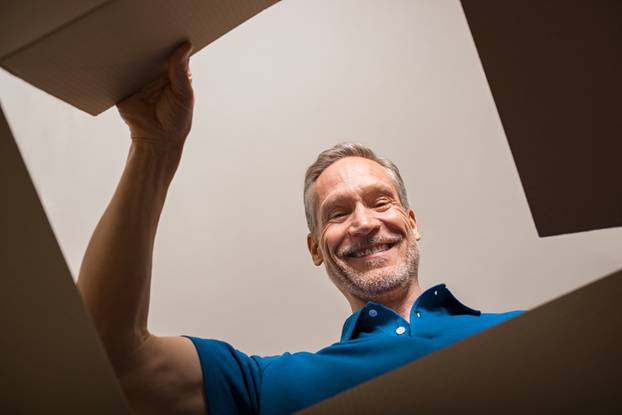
x,y
331,155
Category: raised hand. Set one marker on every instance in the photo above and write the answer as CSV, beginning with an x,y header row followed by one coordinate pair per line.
x,y
161,113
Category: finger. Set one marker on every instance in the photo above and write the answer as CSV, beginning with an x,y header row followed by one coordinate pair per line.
x,y
154,87
179,71
148,93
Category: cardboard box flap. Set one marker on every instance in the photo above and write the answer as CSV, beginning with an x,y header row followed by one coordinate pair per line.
x,y
554,71
108,54
562,357
24,22
52,360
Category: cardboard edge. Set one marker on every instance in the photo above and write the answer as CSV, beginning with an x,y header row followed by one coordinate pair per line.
x,y
69,286
264,5
56,29
541,232
499,327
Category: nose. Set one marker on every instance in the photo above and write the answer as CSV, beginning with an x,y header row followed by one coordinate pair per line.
x,y
363,222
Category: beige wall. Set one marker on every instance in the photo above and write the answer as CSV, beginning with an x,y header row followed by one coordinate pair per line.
x,y
231,260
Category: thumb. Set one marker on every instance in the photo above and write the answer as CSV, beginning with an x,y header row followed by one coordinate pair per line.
x,y
179,70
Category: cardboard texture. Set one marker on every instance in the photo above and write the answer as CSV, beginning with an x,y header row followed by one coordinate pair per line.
x,y
94,53
52,360
554,69
564,357
24,22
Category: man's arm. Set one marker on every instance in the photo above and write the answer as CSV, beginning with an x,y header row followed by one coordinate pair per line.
x,y
158,374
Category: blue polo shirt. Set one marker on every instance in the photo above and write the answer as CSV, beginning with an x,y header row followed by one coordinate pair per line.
x,y
374,340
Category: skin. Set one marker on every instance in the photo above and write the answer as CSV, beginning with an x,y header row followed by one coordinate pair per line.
x,y
162,375
357,206
158,375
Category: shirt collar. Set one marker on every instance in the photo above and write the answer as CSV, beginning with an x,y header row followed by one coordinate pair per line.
x,y
437,299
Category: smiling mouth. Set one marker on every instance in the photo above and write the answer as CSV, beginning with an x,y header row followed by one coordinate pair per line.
x,y
371,251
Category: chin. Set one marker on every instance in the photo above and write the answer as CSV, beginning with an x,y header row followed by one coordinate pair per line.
x,y
372,283
380,276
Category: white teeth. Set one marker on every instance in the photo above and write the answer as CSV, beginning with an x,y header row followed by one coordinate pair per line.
x,y
370,251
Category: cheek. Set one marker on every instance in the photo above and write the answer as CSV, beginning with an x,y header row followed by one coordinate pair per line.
x,y
397,220
331,237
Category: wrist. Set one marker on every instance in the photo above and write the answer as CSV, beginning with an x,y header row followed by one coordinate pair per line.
x,y
164,157
158,147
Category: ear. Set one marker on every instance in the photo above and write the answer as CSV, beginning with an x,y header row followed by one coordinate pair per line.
x,y
314,249
412,219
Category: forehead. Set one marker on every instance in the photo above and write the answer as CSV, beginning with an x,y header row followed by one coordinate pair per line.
x,y
351,174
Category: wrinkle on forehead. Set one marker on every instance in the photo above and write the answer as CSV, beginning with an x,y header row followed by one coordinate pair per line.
x,y
349,175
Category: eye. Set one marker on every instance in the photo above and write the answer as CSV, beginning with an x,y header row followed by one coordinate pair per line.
x,y
382,202
336,215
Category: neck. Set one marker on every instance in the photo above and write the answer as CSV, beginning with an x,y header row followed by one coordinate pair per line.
x,y
400,300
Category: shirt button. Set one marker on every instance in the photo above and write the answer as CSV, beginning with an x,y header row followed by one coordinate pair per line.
x,y
435,292
372,313
418,314
400,330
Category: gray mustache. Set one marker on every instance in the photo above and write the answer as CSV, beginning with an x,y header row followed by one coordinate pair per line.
x,y
349,250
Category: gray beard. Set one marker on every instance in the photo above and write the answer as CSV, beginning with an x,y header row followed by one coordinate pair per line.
x,y
377,281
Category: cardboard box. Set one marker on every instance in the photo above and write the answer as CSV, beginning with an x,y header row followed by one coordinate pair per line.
x,y
91,54
52,359
94,53
564,357
554,71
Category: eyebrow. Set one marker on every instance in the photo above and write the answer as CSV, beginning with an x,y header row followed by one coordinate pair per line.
x,y
335,198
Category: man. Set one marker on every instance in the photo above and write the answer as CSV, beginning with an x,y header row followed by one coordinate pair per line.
x,y
361,229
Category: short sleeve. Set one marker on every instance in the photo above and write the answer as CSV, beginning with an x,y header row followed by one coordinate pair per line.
x,y
231,379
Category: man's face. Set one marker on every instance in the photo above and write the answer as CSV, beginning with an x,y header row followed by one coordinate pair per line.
x,y
364,236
